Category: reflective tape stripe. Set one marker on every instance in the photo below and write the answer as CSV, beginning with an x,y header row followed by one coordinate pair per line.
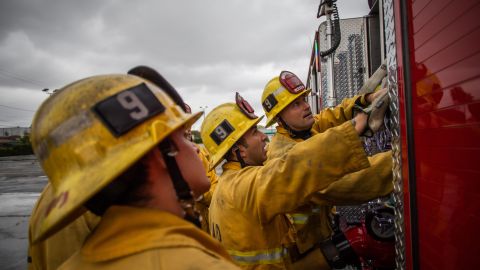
x,y
299,218
268,256
279,90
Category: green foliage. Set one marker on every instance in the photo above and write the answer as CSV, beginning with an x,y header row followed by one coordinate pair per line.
x,y
21,146
196,137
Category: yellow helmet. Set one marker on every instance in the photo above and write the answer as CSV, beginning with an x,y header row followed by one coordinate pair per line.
x,y
89,132
279,92
224,126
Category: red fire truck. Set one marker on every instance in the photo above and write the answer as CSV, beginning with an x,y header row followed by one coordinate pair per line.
x,y
431,55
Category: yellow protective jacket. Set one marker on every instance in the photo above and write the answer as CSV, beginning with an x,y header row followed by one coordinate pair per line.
x,y
310,222
52,252
248,206
146,238
203,204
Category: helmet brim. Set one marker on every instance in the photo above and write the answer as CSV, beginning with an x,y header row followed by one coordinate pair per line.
x,y
281,107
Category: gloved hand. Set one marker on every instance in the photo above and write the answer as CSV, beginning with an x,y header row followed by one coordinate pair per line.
x,y
375,79
372,96
376,112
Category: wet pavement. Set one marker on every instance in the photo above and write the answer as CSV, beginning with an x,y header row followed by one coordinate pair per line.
x,y
21,181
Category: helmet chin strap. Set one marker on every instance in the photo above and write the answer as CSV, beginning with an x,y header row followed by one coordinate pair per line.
x,y
182,189
302,134
240,159
236,150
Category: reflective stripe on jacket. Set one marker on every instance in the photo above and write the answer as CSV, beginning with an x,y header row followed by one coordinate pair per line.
x,y
298,218
271,256
248,206
302,218
145,238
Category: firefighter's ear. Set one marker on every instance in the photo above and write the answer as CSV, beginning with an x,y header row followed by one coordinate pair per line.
x,y
156,157
240,149
243,151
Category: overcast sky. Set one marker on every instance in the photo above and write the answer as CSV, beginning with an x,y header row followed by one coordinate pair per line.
x,y
207,49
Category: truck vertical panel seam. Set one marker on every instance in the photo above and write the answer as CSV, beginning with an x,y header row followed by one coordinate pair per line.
x,y
407,66
398,192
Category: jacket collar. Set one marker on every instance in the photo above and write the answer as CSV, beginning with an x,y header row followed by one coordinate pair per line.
x,y
231,165
283,131
127,230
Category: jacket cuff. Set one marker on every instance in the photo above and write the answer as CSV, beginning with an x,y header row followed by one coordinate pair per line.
x,y
359,156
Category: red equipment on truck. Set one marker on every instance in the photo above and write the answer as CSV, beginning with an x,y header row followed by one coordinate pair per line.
x,y
431,51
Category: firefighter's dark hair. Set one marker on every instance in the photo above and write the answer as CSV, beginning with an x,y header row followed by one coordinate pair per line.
x,y
126,189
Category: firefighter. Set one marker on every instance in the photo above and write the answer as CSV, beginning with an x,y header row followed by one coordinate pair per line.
x,y
203,202
115,145
248,206
51,253
283,100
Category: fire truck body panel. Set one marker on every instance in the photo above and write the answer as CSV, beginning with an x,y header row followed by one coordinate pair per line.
x,y
444,57
432,48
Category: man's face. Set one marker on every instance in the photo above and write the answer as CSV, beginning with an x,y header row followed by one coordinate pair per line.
x,y
298,115
253,151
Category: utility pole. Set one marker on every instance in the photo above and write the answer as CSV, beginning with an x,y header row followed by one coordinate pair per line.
x,y
203,108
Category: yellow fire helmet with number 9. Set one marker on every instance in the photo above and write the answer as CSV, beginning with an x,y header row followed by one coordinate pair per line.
x,y
279,92
225,125
92,130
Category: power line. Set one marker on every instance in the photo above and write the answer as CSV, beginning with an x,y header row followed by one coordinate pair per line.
x,y
15,108
17,77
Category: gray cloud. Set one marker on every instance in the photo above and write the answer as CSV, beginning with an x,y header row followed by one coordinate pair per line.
x,y
207,49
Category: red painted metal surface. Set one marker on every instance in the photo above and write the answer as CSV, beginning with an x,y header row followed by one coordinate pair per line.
x,y
445,65
379,254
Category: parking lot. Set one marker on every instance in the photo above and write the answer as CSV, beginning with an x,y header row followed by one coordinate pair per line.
x,y
21,181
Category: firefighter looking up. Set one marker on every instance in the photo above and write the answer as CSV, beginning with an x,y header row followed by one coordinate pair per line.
x,y
248,206
203,202
115,145
310,223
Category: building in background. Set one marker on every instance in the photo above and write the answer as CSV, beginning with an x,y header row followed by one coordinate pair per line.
x,y
14,131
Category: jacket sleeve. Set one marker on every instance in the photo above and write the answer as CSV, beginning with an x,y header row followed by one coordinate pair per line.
x,y
361,186
212,176
207,196
332,117
285,183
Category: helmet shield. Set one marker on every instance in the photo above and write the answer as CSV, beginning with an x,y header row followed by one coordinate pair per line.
x,y
291,82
